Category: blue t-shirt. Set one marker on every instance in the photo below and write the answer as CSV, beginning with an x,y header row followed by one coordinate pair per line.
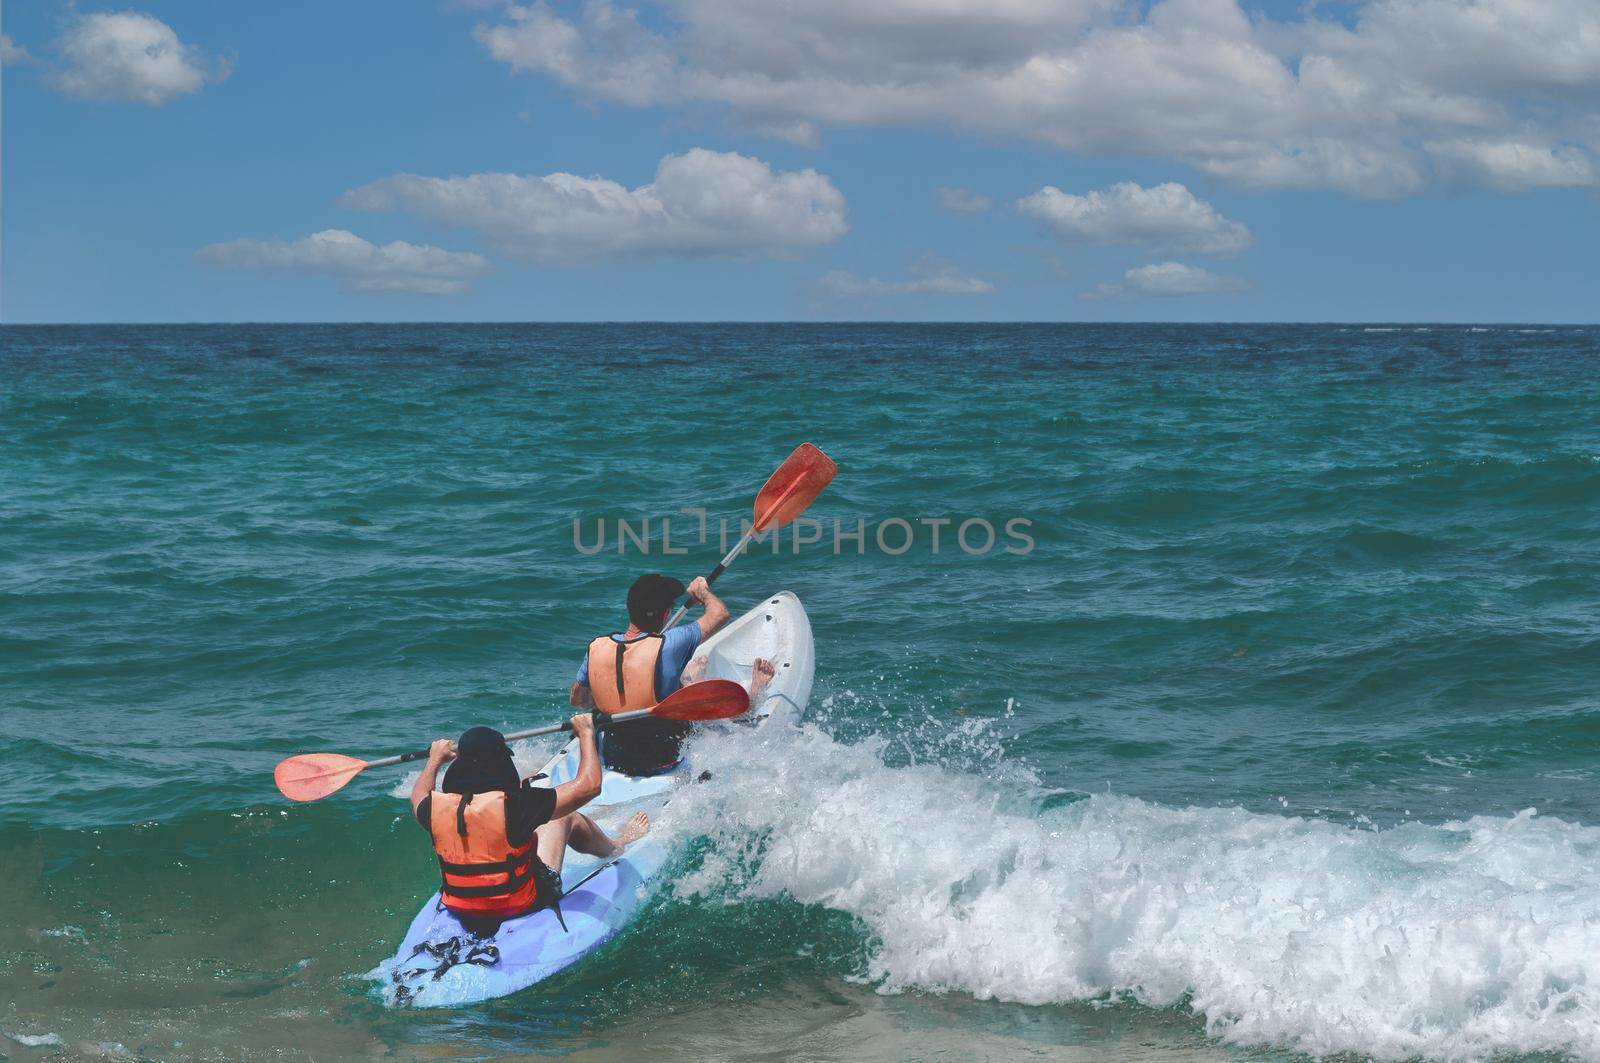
x,y
677,646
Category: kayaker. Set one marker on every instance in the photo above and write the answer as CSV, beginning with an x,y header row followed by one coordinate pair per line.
x,y
500,840
638,667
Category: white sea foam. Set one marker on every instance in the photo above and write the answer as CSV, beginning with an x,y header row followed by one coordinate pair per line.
x,y
42,1040
1456,941
68,931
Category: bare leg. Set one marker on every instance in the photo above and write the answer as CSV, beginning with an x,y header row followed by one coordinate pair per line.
x,y
584,835
695,670
551,841
637,827
761,673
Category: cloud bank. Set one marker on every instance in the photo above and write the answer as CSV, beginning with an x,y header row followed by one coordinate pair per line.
x,y
1166,279
129,56
700,203
932,276
1166,218
360,265
1399,93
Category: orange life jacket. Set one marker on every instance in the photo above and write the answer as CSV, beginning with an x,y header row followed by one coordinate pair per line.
x,y
622,675
484,874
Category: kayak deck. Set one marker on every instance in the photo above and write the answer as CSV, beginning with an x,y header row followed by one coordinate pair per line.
x,y
777,629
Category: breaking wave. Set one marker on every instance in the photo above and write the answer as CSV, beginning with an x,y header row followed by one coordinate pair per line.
x,y
1462,939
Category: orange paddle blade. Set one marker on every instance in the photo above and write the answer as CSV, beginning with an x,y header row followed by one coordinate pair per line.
x,y
313,776
793,487
709,699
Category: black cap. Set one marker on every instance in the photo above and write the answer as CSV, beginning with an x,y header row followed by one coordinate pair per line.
x,y
651,595
483,763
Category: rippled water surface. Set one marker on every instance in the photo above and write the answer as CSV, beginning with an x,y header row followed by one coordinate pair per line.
x,y
1275,730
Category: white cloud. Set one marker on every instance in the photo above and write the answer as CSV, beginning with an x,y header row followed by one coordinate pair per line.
x,y
1514,166
608,52
794,130
961,201
1166,217
362,266
126,55
932,276
700,203
1166,279
12,53
1299,102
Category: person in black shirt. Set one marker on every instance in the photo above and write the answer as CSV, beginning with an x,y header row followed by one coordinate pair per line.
x,y
480,763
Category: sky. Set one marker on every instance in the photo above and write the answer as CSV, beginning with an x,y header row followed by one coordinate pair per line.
x,y
994,160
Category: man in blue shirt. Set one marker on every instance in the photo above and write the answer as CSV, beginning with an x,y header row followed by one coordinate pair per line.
x,y
638,667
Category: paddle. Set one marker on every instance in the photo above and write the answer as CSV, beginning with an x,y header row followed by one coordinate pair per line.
x,y
792,487
313,776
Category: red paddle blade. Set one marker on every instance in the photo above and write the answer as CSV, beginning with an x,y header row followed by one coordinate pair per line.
x,y
709,699
793,487
313,776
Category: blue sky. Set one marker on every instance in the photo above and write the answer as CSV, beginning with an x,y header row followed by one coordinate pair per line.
x,y
1415,160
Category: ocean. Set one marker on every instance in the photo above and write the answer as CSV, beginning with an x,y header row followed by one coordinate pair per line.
x,y
1245,709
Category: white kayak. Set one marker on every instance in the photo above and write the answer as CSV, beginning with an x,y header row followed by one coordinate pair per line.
x,y
441,964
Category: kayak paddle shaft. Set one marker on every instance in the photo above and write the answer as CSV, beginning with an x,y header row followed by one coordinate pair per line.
x,y
711,577
792,487
532,732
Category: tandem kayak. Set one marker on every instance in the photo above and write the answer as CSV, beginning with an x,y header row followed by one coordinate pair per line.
x,y
441,964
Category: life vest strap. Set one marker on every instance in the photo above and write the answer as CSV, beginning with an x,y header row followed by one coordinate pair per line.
x,y
514,881
509,865
468,892
623,672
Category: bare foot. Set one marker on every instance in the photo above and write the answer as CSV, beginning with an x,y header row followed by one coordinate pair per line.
x,y
637,828
761,673
695,670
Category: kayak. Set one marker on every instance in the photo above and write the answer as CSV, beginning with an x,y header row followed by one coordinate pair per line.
x,y
442,964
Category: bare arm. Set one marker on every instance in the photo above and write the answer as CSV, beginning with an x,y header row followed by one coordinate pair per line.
x,y
571,796
716,614
442,750
580,697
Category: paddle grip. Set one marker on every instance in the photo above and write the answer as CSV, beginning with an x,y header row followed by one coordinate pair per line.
x,y
722,566
711,577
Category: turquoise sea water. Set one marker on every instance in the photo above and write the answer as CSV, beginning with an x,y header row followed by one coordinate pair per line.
x,y
1278,735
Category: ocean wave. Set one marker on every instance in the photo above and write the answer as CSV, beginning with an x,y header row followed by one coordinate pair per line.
x,y
1458,940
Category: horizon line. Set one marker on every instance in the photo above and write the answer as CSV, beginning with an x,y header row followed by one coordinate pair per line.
x,y
1366,322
